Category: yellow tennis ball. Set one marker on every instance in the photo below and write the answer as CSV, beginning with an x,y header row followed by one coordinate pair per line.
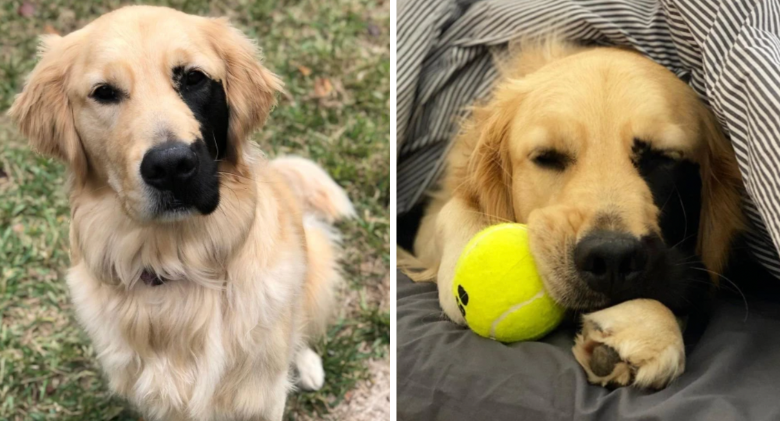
x,y
498,288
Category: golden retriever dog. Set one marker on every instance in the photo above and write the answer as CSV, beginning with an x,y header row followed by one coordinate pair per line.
x,y
201,270
629,189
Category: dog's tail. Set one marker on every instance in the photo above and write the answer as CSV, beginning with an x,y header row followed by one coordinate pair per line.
x,y
314,187
324,202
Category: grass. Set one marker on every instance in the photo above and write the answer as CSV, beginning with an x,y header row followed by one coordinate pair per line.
x,y
334,58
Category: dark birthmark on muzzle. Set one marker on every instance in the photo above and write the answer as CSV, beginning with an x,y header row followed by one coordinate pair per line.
x,y
208,103
675,275
663,267
676,189
207,100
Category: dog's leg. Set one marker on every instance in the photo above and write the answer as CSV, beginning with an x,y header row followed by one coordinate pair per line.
x,y
275,411
456,224
311,375
638,343
319,295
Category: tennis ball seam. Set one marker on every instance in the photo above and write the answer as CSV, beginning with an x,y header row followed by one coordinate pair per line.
x,y
511,310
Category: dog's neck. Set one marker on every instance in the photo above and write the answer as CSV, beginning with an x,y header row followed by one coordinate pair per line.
x,y
119,250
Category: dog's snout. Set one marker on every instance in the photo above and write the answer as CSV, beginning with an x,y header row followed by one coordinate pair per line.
x,y
168,165
608,261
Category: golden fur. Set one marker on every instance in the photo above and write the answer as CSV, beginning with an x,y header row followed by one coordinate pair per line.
x,y
246,287
591,103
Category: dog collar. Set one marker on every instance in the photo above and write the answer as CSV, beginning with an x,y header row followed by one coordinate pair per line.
x,y
151,279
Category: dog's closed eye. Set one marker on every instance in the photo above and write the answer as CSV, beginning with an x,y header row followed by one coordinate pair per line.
x,y
551,159
644,155
106,94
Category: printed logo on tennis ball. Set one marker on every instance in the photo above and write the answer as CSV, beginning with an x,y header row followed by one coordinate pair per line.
x,y
498,289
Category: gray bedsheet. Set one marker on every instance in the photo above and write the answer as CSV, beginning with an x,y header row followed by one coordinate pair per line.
x,y
446,372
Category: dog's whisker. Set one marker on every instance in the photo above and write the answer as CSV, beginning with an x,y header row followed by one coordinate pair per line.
x,y
683,240
216,146
682,206
734,284
235,175
492,216
230,189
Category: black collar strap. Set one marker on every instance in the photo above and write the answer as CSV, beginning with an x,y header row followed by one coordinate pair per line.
x,y
150,278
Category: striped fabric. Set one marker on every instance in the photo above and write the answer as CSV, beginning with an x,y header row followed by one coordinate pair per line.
x,y
727,50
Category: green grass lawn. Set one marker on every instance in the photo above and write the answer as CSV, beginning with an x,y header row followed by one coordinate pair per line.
x,y
334,59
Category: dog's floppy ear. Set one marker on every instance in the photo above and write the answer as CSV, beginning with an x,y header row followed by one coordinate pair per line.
x,y
487,177
721,214
42,110
250,88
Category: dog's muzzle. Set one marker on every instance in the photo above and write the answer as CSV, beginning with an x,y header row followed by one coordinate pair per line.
x,y
182,176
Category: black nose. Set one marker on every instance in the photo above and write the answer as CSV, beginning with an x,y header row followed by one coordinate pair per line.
x,y
610,261
169,165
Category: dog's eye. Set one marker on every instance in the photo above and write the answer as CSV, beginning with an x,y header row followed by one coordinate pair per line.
x,y
551,159
194,77
106,94
642,154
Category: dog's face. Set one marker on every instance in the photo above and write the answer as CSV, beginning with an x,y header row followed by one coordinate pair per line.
x,y
608,158
151,103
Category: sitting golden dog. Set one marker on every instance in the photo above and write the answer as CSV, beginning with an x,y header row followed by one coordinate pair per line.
x,y
200,270
629,189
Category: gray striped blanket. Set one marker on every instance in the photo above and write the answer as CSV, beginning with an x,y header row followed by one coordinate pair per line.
x,y
727,50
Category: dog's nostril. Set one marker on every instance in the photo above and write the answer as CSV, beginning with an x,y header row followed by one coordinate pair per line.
x,y
625,267
156,172
599,267
185,167
632,264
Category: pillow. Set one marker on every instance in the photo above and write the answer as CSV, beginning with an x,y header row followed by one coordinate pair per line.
x,y
448,373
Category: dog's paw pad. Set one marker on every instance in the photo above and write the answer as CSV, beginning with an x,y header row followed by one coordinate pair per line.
x,y
636,343
603,360
311,375
602,363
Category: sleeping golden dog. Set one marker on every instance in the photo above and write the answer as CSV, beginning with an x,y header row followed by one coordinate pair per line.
x,y
200,270
630,191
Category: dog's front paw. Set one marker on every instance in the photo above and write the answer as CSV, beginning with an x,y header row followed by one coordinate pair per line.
x,y
311,375
636,343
